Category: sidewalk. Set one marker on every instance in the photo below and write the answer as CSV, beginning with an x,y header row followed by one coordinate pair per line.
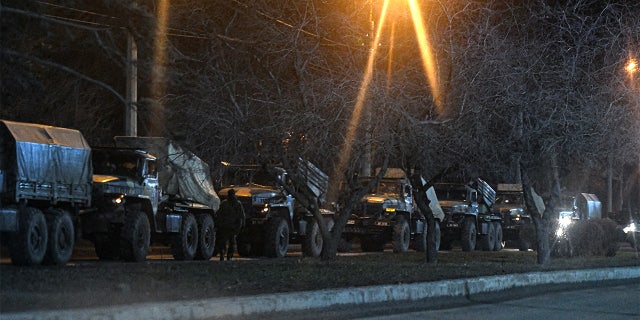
x,y
248,305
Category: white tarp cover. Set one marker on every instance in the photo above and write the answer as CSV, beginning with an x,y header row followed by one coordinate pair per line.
x,y
180,172
50,154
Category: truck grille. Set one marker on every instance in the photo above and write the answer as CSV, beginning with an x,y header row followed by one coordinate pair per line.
x,y
366,209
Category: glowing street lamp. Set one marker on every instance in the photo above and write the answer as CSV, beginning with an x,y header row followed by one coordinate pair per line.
x,y
632,66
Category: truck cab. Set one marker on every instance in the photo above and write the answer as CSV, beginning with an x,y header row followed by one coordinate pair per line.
x,y
387,213
511,208
468,216
273,216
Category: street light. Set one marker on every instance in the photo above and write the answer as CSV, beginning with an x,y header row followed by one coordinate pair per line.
x,y
632,66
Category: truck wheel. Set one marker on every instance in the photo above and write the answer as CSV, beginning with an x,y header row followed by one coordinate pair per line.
x,y
136,235
497,245
468,239
401,235
371,244
61,238
107,247
28,245
207,237
185,243
486,241
277,238
313,241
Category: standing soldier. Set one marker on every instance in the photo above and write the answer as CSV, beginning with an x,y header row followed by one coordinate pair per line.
x,y
230,220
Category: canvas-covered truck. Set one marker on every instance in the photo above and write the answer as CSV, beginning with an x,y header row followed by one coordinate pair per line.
x,y
510,206
468,216
274,217
387,213
45,183
167,197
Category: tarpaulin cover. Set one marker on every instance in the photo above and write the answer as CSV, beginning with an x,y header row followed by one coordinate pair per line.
x,y
180,172
46,154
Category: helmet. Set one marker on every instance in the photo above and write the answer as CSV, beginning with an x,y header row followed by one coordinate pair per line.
x,y
231,193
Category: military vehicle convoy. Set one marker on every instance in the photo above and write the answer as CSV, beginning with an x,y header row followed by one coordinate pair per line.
x,y
387,214
468,216
274,217
55,189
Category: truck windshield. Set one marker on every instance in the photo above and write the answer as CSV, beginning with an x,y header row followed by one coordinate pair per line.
x,y
508,198
451,194
383,187
115,164
241,176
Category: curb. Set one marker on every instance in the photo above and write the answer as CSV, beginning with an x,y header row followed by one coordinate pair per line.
x,y
251,305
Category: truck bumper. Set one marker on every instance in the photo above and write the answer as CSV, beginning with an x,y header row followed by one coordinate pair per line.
x,y
368,227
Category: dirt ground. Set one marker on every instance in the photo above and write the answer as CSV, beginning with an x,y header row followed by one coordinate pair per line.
x,y
86,282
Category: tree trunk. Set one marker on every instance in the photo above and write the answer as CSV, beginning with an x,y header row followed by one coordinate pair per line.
x,y
432,250
541,220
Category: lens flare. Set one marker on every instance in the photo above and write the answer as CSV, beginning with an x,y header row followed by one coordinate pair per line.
x,y
347,146
428,62
428,66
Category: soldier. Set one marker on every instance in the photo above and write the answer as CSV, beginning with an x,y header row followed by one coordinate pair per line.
x,y
230,220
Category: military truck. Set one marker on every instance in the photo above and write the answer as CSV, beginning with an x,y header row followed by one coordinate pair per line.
x,y
510,206
167,197
45,184
274,217
468,216
386,214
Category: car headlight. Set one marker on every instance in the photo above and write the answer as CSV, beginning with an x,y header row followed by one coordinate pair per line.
x,y
632,227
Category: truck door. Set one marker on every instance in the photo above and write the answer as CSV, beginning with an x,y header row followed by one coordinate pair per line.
x,y
150,183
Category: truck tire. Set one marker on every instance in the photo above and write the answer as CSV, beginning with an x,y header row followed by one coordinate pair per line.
x,y
468,238
371,244
486,241
497,246
136,237
401,237
277,238
61,238
28,245
185,243
206,237
421,240
313,241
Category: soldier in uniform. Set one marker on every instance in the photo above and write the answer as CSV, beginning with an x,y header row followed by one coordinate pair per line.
x,y
230,219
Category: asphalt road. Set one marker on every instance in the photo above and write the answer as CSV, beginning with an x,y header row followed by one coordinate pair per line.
x,y
586,301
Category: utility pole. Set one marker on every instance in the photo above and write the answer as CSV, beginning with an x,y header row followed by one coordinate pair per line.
x,y
367,156
131,108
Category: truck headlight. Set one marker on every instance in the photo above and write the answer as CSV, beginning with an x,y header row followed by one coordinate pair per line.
x,y
264,210
118,200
